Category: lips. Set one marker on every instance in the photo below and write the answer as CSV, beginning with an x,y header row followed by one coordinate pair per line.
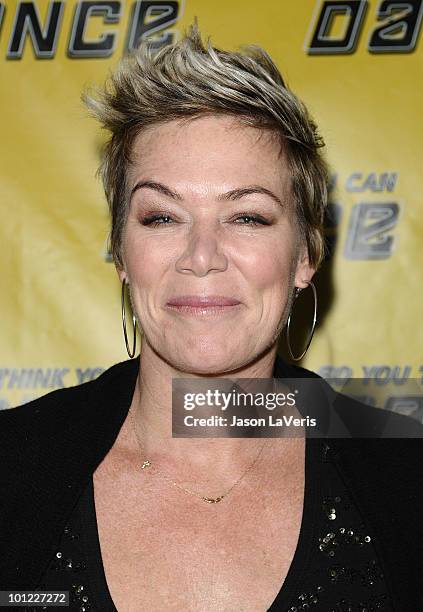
x,y
200,301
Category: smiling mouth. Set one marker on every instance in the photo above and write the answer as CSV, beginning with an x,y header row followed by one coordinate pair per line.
x,y
203,306
203,310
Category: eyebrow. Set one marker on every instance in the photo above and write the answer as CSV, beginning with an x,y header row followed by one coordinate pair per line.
x,y
234,194
157,187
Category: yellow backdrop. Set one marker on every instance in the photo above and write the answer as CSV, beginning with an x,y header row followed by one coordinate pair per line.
x,y
356,64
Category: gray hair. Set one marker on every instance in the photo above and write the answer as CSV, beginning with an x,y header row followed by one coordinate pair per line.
x,y
187,80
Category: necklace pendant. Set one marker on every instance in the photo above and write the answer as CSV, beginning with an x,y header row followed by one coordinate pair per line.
x,y
145,464
212,500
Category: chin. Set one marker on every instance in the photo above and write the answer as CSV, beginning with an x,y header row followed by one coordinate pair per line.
x,y
207,357
218,368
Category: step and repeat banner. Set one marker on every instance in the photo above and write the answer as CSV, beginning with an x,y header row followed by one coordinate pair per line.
x,y
358,66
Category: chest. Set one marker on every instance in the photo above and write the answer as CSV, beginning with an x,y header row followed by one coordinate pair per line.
x,y
163,549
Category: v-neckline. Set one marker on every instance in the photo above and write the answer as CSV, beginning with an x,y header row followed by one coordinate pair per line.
x,y
300,561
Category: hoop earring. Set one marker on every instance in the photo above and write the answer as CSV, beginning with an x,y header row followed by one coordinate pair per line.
x,y
288,341
134,325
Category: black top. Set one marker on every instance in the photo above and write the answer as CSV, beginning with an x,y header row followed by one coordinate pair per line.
x,y
335,567
51,447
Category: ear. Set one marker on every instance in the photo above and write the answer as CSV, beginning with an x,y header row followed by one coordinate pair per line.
x,y
121,273
304,271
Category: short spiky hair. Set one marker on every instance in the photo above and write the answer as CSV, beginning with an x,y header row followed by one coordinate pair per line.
x,y
188,79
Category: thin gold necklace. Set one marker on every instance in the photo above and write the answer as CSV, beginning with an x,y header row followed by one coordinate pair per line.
x,y
209,500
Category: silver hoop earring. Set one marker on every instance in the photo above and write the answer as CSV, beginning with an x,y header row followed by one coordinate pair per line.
x,y
288,341
134,326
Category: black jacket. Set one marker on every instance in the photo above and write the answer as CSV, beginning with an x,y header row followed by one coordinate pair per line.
x,y
50,447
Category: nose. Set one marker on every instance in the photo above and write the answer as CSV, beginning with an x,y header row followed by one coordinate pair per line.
x,y
203,251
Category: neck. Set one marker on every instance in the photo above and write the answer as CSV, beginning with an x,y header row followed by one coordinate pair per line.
x,y
152,416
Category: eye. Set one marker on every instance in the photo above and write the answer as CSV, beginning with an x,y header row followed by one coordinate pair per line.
x,y
252,220
155,220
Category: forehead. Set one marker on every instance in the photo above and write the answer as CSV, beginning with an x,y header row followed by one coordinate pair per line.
x,y
217,151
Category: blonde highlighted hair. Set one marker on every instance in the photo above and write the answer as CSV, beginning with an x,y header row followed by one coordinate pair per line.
x,y
188,79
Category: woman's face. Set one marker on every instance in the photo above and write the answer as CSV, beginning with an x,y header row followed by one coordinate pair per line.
x,y
210,215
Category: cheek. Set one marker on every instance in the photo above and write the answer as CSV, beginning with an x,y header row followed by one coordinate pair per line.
x,y
269,268
144,262
266,264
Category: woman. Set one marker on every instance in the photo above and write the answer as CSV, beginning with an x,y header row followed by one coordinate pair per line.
x,y
217,191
